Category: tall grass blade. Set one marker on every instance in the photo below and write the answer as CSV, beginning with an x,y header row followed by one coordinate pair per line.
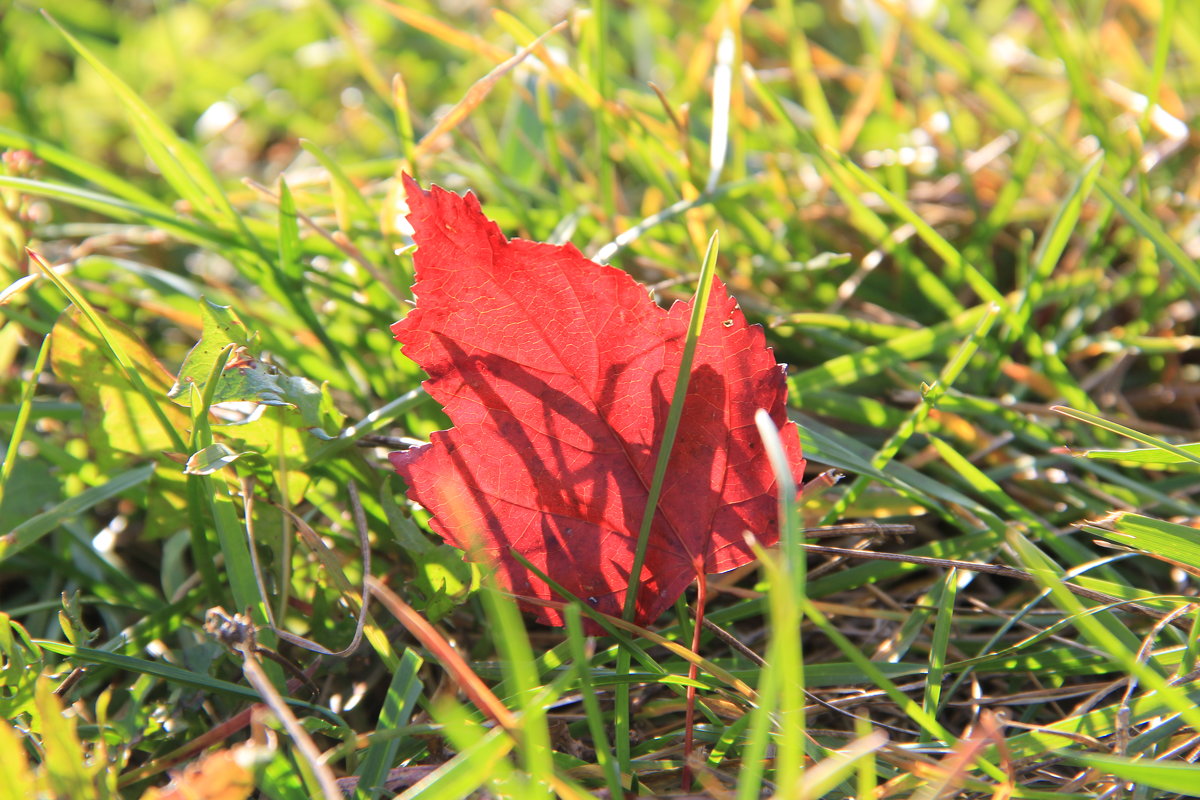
x,y
695,324
403,691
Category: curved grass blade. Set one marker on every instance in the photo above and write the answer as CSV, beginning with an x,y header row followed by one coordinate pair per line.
x,y
82,168
34,528
23,411
1108,425
126,210
177,158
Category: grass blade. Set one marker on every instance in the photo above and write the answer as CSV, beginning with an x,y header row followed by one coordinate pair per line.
x,y
23,410
1181,453
398,706
34,528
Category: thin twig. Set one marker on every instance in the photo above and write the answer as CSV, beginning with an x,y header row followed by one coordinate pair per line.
x,y
314,541
859,529
237,633
475,95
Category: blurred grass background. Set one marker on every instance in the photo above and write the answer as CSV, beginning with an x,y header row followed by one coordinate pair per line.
x,y
881,174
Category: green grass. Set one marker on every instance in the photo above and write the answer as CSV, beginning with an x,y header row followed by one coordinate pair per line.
x,y
972,236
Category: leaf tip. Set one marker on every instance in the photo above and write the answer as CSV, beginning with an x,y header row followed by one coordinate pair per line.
x,y
410,183
1110,519
402,460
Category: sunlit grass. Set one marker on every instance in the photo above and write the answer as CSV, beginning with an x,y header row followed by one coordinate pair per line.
x,y
971,235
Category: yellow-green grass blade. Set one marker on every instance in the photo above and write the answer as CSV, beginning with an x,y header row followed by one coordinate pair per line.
x,y
591,704
1055,238
517,662
1096,724
872,227
1178,777
848,369
1179,452
172,674
469,769
940,643
1014,512
404,689
83,168
1055,369
125,210
936,242
1158,537
178,159
930,396
348,201
786,591
289,271
34,528
827,774
24,408
1105,631
699,307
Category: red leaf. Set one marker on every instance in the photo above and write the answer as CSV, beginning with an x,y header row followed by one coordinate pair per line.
x,y
558,374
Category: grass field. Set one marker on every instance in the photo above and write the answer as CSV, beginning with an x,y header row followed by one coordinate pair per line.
x,y
970,229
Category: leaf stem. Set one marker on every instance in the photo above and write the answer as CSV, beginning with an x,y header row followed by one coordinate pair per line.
x,y
690,717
